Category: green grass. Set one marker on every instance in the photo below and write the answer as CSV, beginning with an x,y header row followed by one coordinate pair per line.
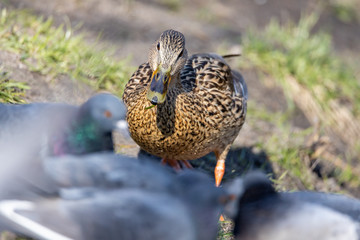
x,y
205,14
288,150
173,5
285,147
225,230
345,11
10,90
52,50
292,50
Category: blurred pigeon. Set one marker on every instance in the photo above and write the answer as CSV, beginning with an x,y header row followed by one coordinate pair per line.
x,y
262,213
128,214
338,202
70,129
30,132
110,171
122,206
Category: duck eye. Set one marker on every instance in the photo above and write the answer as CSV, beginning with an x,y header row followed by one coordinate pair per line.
x,y
182,52
158,46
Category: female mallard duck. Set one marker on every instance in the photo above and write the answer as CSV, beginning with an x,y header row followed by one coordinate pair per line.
x,y
200,104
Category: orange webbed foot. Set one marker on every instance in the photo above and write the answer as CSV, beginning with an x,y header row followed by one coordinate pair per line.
x,y
219,171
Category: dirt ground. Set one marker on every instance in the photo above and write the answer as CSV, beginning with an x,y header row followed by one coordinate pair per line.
x,y
130,27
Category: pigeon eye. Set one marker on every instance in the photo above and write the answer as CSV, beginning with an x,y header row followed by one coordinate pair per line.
x,y
107,114
158,46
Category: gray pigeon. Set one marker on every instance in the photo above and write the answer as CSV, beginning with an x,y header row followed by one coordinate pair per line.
x,y
30,132
111,196
338,202
69,129
262,213
127,214
111,171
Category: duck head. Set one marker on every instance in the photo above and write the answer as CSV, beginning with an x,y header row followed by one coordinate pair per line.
x,y
166,58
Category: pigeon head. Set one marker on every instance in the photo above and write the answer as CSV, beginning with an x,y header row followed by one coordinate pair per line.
x,y
104,111
91,130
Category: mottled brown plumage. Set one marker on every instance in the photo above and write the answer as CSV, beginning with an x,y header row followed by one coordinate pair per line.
x,y
203,110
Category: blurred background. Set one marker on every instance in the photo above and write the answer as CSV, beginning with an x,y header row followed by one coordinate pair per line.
x,y
300,60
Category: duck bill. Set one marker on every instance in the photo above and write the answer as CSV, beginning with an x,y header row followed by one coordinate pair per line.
x,y
159,85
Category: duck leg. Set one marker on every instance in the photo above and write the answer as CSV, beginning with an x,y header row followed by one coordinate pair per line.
x,y
220,168
187,164
175,163
220,164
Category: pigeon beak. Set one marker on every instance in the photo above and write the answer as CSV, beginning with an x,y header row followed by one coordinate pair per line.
x,y
122,127
160,80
